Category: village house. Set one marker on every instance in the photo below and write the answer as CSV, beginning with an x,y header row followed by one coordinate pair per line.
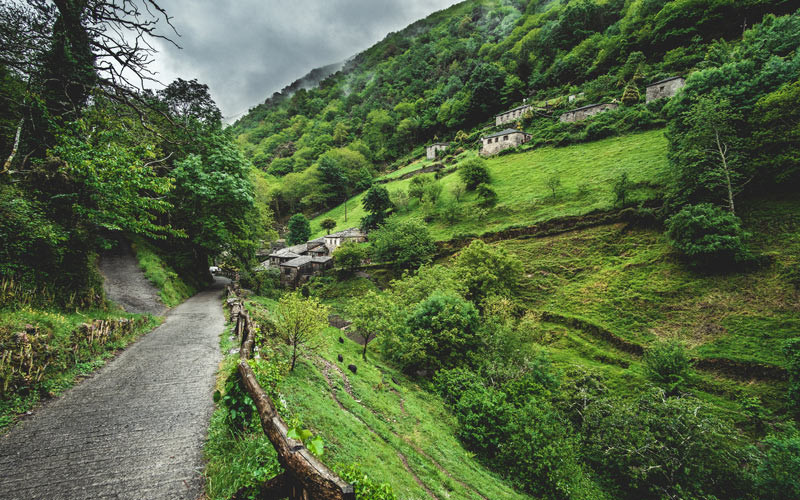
x,y
433,150
665,88
298,263
585,112
508,138
333,241
512,115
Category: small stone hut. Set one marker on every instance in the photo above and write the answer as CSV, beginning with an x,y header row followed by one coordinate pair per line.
x,y
508,138
333,241
585,112
433,150
665,89
512,114
296,271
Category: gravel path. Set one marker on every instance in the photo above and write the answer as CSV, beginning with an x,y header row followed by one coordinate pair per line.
x,y
125,283
135,429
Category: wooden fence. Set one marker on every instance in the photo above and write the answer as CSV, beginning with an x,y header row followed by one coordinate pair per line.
x,y
304,476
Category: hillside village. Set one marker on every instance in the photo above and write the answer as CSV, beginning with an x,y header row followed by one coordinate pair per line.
x,y
518,249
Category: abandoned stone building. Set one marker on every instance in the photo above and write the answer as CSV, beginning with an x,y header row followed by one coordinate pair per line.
x,y
298,263
434,149
512,115
585,112
508,138
665,88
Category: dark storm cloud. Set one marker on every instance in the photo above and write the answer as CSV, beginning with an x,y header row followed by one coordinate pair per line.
x,y
246,49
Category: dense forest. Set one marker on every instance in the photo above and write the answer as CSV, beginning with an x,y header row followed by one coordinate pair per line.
x,y
91,157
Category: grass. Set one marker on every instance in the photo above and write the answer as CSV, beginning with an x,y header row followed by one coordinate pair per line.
x,y
387,419
171,288
68,362
586,172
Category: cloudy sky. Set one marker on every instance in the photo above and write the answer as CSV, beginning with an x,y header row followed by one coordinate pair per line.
x,y
245,50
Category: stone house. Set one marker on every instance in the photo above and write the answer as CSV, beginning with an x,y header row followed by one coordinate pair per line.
x,y
508,138
296,271
665,88
433,150
585,112
333,241
512,115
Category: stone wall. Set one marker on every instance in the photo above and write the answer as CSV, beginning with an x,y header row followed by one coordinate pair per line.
x,y
512,115
664,89
493,145
585,112
433,150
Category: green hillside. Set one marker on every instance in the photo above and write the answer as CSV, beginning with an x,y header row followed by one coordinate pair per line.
x,y
586,172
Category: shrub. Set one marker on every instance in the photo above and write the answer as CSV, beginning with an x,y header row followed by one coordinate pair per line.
x,y
668,365
406,243
778,475
365,488
264,282
622,187
792,352
474,172
708,236
487,271
350,255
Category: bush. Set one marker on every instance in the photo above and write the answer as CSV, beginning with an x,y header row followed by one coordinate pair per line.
x,y
365,488
350,255
778,475
406,243
708,236
792,352
264,282
439,333
487,271
668,365
474,172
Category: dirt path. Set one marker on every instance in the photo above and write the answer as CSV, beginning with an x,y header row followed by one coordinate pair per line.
x,y
135,429
126,285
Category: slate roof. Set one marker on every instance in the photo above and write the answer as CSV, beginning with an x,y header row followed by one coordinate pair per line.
x,y
322,260
514,109
664,80
507,131
346,233
298,262
297,250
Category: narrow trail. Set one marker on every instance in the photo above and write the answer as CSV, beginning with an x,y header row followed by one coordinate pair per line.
x,y
327,366
126,284
133,430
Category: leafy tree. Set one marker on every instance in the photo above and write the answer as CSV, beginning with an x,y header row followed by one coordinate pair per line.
x,y
458,190
708,236
376,202
400,199
373,314
438,333
301,322
349,255
474,172
419,185
778,475
328,224
405,243
487,271
486,195
622,187
553,183
190,100
432,192
299,229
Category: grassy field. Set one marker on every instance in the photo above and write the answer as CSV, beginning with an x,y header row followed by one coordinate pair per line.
x,y
171,288
586,172
397,432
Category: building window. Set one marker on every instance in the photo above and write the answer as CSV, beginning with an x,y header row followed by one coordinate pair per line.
x,y
505,137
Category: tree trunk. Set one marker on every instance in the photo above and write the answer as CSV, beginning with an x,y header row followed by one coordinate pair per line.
x,y
364,352
10,159
723,150
294,356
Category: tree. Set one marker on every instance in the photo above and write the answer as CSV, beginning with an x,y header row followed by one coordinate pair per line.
x,y
400,199
373,314
668,365
553,183
438,333
458,190
190,100
418,185
487,271
328,224
350,255
706,149
708,236
621,187
376,202
299,229
486,195
300,323
405,243
474,172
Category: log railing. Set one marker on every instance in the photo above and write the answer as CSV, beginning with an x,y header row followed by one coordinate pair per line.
x,y
304,476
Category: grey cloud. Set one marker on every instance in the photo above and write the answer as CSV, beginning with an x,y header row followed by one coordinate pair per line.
x,y
247,49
